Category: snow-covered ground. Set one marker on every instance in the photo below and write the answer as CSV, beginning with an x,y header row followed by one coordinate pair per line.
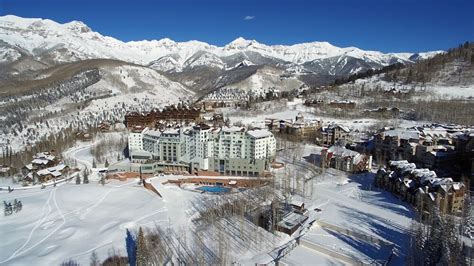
x,y
289,112
349,202
353,204
430,90
71,221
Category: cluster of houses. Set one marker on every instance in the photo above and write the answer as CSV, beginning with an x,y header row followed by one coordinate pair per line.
x,y
431,146
44,167
422,188
225,97
343,104
309,129
236,97
299,127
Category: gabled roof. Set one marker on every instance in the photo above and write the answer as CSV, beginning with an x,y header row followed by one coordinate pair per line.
x,y
341,151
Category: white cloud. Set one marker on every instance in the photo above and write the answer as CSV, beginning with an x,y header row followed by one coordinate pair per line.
x,y
249,17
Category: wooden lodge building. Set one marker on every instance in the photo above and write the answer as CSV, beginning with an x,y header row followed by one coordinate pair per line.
x,y
180,113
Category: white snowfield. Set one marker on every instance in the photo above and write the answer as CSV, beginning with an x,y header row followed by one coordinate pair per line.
x,y
266,78
72,221
431,90
81,43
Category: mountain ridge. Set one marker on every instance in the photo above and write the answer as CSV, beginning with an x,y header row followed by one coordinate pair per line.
x,y
146,51
197,65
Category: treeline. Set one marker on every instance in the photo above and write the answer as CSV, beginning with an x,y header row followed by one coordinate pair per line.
x,y
428,70
19,107
369,73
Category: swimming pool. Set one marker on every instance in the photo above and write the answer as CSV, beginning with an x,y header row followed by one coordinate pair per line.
x,y
214,189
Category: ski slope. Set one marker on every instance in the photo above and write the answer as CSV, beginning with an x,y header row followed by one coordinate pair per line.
x,y
71,221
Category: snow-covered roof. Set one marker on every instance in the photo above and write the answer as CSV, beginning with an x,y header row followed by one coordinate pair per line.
x,y
56,173
43,172
437,132
58,167
403,134
40,161
404,166
343,128
153,133
259,133
295,202
341,151
171,131
292,219
44,155
232,129
458,185
425,175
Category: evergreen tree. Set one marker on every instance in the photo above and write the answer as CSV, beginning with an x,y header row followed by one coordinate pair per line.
x,y
19,205
15,206
78,180
106,163
141,256
94,164
434,244
95,259
86,176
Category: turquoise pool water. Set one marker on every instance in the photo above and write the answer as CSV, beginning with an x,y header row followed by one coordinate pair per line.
x,y
214,189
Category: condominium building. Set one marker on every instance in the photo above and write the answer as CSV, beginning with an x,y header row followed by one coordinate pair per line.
x,y
227,150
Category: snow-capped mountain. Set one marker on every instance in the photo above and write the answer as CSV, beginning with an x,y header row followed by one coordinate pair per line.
x,y
37,36
43,43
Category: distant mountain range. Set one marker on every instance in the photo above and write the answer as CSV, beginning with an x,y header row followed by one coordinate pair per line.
x,y
29,46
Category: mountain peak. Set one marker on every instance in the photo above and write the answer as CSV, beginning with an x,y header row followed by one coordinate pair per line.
x,y
241,42
77,26
77,38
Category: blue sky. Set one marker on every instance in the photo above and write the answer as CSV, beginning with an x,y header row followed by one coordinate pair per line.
x,y
385,25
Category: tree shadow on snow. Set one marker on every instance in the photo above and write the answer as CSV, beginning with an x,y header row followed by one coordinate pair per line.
x,y
372,251
380,227
379,197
